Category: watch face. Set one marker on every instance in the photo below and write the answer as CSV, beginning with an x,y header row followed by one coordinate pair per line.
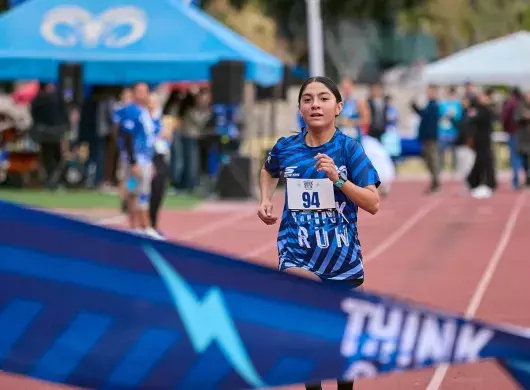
x,y
343,175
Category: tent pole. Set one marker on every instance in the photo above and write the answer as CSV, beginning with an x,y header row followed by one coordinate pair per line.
x,y
315,38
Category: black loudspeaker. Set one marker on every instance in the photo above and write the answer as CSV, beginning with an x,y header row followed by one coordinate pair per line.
x,y
228,82
269,93
235,178
278,91
71,83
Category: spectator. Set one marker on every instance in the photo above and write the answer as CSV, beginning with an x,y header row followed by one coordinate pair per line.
x,y
522,135
510,125
50,128
391,139
464,153
193,124
481,117
355,115
378,112
450,111
428,136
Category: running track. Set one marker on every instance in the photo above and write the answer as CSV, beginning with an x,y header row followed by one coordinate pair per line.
x,y
448,251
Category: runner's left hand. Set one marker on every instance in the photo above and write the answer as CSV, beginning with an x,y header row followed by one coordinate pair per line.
x,y
326,164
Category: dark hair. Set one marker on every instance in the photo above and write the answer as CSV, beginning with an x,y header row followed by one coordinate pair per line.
x,y
330,84
452,89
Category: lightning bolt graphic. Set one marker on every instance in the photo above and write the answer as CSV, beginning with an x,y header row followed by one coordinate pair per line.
x,y
206,321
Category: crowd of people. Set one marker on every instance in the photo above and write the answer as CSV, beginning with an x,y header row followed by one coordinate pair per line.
x,y
464,126
130,145
454,132
188,111
452,125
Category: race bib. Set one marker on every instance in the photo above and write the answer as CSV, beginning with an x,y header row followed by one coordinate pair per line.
x,y
310,194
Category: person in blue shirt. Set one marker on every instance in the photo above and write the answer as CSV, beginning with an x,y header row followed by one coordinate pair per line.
x,y
355,113
450,112
391,139
137,133
328,177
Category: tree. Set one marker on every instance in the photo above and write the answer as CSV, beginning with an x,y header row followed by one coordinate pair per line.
x,y
459,23
354,29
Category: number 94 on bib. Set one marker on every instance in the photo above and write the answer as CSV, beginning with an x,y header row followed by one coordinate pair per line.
x,y
310,194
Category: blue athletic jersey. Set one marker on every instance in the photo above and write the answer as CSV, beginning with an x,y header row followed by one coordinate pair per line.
x,y
137,121
350,111
392,117
449,108
325,241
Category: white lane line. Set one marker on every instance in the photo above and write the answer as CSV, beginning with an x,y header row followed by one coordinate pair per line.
x,y
115,220
401,231
212,227
209,228
478,295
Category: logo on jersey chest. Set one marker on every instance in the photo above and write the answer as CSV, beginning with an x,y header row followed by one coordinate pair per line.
x,y
291,172
343,172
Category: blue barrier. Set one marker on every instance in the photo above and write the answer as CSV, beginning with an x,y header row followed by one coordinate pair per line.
x,y
98,308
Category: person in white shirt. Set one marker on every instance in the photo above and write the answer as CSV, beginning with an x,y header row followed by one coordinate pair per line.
x,y
164,135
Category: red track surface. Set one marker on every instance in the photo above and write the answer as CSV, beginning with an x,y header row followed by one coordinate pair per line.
x,y
438,250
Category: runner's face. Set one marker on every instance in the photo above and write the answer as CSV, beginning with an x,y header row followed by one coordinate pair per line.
x,y
318,106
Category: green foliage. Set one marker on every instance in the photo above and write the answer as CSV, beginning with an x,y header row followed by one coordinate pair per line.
x,y
378,10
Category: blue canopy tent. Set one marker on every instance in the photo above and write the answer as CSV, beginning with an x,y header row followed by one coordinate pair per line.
x,y
123,41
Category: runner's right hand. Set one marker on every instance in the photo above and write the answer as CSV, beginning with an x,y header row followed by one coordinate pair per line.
x,y
265,213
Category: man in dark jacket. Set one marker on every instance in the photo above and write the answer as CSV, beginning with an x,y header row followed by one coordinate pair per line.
x,y
428,136
50,126
378,112
481,119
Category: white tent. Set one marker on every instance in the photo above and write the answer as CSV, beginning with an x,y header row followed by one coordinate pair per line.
x,y
502,61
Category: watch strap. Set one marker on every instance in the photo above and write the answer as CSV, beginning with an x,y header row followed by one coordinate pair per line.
x,y
339,183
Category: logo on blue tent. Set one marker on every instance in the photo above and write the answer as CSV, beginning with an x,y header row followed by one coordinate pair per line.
x,y
206,320
117,27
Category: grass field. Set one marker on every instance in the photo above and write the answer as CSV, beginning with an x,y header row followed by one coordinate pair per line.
x,y
83,199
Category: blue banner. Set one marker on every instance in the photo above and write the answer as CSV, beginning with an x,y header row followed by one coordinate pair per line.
x,y
97,308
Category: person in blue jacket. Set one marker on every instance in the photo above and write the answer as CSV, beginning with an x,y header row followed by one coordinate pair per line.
x,y
450,112
428,136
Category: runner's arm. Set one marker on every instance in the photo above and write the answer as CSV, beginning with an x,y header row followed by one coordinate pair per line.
x,y
267,185
366,198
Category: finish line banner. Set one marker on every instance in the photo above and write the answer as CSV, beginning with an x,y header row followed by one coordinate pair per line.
x,y
97,308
